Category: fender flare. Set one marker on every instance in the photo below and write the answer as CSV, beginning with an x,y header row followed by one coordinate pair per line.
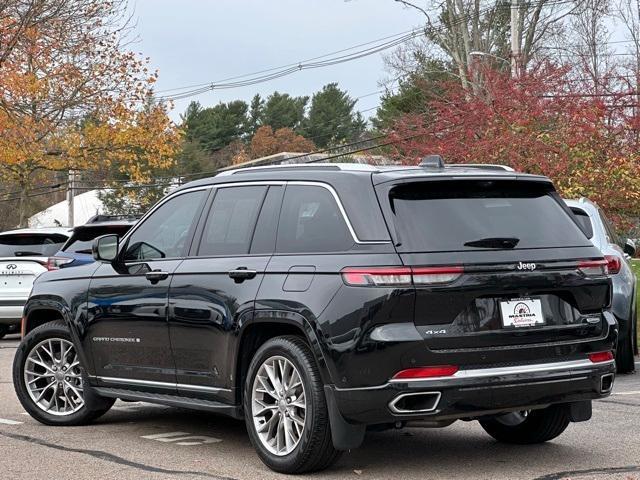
x,y
285,317
57,305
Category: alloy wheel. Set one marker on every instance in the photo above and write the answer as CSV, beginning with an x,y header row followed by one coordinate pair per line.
x,y
53,377
278,405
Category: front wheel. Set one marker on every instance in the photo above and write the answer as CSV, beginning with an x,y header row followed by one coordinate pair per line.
x,y
50,381
285,408
529,427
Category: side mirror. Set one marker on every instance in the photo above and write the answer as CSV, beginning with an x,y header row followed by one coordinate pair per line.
x,y
105,248
630,247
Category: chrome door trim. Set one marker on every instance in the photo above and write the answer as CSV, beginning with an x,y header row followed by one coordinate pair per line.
x,y
151,383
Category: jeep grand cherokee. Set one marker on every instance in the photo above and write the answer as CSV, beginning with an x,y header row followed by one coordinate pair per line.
x,y
316,301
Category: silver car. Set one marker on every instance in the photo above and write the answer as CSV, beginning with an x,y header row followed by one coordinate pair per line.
x,y
618,252
24,254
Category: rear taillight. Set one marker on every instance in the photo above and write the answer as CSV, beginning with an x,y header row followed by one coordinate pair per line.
x,y
600,357
399,276
54,263
593,268
436,275
377,276
426,372
613,264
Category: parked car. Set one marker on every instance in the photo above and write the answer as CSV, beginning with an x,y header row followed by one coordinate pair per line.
x,y
77,249
24,254
315,301
618,253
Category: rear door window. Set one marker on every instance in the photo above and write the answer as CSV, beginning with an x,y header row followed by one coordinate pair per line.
x,y
30,244
311,222
232,220
474,215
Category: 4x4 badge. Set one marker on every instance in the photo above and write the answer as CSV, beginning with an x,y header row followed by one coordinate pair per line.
x,y
526,266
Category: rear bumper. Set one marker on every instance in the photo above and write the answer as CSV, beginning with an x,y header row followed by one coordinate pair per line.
x,y
474,393
11,311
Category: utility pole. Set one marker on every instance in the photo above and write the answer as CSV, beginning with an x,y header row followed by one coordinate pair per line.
x,y
515,38
70,191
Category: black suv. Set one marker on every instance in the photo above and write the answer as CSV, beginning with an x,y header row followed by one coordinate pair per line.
x,y
316,301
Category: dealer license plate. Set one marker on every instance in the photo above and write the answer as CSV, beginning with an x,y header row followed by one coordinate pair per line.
x,y
522,312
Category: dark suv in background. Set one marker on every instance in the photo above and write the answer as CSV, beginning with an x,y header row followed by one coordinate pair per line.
x,y
315,301
77,249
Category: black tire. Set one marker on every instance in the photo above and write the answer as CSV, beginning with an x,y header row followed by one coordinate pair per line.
x,y
539,426
625,354
94,405
315,450
4,329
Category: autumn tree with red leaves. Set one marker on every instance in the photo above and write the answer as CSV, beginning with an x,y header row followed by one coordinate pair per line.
x,y
536,123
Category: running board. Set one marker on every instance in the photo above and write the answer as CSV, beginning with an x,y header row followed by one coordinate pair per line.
x,y
171,400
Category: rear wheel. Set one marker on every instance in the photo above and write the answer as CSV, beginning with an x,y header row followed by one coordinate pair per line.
x,y
285,408
4,329
523,428
51,383
625,361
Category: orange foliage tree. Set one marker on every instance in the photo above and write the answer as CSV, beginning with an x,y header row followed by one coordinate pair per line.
x,y
72,96
267,142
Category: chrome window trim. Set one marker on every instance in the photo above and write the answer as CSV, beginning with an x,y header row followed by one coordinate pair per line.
x,y
326,186
342,211
151,383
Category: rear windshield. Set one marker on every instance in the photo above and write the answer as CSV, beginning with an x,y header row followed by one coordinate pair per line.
x,y
82,238
30,244
478,215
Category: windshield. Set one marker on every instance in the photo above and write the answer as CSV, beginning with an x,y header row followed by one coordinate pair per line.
x,y
83,237
30,244
479,215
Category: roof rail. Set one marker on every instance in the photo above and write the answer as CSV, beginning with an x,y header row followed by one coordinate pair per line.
x,y
485,166
362,167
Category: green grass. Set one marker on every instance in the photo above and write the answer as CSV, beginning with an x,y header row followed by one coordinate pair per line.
x,y
635,264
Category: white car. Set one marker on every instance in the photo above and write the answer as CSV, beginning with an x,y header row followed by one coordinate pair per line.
x,y
24,254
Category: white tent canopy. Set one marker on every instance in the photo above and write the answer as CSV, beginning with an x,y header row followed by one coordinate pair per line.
x,y
85,206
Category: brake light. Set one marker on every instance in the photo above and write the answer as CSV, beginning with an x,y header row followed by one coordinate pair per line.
x,y
593,268
613,264
426,372
600,357
400,276
54,263
377,276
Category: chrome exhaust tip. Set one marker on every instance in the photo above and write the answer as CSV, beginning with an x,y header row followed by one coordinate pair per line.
x,y
411,403
606,383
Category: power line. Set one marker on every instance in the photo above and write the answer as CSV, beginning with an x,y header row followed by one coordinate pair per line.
x,y
278,72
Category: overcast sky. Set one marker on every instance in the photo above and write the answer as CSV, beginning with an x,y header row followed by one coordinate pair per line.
x,y
197,41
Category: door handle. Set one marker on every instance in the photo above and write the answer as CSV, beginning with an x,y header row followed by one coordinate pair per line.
x,y
154,276
241,274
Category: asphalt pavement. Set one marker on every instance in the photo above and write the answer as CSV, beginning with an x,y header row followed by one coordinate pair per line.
x,y
143,441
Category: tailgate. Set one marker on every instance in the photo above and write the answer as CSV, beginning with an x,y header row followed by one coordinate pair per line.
x,y
497,262
17,276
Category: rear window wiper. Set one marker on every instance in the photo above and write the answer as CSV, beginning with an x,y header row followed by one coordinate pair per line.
x,y
493,242
26,253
